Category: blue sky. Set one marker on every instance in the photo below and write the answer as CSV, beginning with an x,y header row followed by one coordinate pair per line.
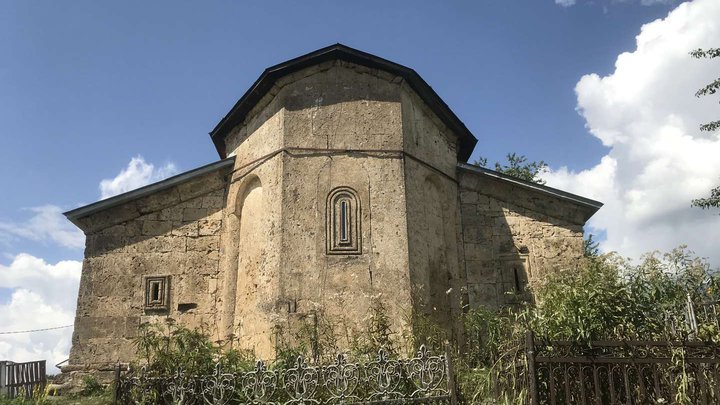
x,y
85,86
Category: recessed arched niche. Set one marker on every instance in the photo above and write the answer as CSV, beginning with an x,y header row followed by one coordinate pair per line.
x,y
342,230
251,239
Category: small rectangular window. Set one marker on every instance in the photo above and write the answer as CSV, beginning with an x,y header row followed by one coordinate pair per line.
x,y
515,274
157,290
344,222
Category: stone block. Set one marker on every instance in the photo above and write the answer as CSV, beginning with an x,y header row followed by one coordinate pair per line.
x,y
481,271
101,244
468,197
200,186
203,244
209,227
156,228
193,214
201,262
157,244
478,251
159,200
185,229
109,217
171,214
213,201
483,294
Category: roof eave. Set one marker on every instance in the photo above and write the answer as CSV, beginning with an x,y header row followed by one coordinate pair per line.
x,y
90,209
591,205
267,79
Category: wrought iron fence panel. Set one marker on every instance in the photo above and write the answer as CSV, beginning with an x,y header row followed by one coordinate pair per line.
x,y
258,386
341,380
616,372
422,379
427,373
385,376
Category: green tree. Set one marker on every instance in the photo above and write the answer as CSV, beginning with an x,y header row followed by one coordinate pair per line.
x,y
518,166
710,89
591,248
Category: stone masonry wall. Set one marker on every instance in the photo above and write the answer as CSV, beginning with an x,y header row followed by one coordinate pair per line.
x,y
317,114
432,214
173,232
513,236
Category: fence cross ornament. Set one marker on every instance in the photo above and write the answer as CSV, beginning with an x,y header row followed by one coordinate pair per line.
x,y
341,379
218,389
386,375
301,382
259,385
180,388
427,372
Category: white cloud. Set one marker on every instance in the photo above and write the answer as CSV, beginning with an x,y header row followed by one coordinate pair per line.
x,y
137,174
43,295
646,113
654,2
47,223
569,3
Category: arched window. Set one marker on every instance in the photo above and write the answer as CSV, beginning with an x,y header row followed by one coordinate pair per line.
x,y
343,222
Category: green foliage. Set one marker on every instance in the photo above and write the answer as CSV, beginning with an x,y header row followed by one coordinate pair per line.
x,y
605,298
490,366
712,201
165,348
425,331
38,396
377,333
314,339
610,298
709,89
518,166
481,161
91,387
591,248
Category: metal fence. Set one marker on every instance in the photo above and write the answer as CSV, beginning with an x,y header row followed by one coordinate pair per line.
x,y
22,379
422,379
615,372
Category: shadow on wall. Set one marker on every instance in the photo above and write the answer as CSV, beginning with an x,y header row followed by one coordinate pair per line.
x,y
511,238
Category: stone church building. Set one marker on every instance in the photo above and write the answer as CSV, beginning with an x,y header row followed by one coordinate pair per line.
x,y
342,179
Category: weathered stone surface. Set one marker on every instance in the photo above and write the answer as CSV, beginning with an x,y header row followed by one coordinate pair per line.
x,y
246,251
155,228
506,223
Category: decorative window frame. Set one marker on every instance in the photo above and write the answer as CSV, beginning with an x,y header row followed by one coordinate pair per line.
x,y
516,274
343,233
157,293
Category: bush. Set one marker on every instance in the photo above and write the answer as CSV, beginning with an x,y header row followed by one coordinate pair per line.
x,y
164,348
610,298
91,387
605,298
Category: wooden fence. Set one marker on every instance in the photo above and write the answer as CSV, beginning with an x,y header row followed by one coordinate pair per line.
x,y
22,379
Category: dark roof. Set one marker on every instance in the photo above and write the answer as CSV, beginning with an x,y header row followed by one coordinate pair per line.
x,y
77,213
592,205
268,78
